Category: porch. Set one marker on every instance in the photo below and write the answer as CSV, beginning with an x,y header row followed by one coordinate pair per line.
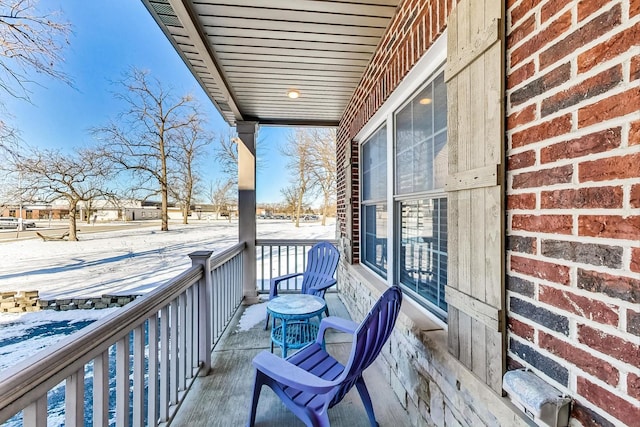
x,y
223,397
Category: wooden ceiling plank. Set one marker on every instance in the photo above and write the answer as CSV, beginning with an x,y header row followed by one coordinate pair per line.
x,y
304,27
384,8
301,59
286,34
291,65
289,14
277,51
338,45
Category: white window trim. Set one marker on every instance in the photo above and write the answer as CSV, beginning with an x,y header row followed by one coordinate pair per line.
x,y
426,66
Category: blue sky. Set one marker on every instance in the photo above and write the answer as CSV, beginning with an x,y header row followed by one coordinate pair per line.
x,y
108,39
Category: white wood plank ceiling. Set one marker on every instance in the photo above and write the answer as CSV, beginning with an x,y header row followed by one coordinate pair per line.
x,y
248,54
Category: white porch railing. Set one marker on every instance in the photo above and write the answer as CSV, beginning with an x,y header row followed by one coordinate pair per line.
x,y
161,341
277,257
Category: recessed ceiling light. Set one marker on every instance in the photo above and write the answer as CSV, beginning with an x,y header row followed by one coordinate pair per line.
x,y
425,101
293,94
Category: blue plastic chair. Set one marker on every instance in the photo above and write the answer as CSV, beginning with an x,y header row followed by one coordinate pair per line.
x,y
322,262
311,381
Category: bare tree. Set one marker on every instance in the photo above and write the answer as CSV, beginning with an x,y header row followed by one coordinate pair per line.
x,y
220,195
143,140
31,41
190,144
299,151
323,165
52,174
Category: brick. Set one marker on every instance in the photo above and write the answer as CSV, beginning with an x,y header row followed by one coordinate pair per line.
x,y
557,224
522,73
521,329
618,167
521,31
541,85
635,260
580,358
586,8
521,201
624,288
611,48
535,44
545,130
618,105
521,10
596,142
587,417
593,86
634,8
585,34
521,286
609,226
614,405
543,177
544,364
521,160
584,253
583,198
541,269
633,322
611,345
634,133
522,244
633,385
551,8
541,316
634,70
588,308
522,117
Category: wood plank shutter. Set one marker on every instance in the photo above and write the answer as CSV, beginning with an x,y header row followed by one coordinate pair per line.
x,y
475,291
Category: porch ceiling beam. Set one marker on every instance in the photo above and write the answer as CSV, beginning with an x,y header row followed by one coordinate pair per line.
x,y
197,37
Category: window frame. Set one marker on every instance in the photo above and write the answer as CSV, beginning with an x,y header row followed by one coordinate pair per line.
x,y
425,70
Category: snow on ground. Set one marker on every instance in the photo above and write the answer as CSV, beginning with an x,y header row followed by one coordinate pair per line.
x,y
122,261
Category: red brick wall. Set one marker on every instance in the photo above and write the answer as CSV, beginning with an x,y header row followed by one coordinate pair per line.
x,y
573,199
415,26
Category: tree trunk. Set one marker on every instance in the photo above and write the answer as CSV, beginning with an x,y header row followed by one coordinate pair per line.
x,y
185,211
72,221
325,209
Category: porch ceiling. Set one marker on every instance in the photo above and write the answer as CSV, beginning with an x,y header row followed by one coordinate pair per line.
x,y
247,54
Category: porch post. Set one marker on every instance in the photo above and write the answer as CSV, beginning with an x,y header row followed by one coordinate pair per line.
x,y
247,206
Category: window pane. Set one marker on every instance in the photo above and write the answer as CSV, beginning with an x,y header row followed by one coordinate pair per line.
x,y
374,238
374,166
420,140
423,256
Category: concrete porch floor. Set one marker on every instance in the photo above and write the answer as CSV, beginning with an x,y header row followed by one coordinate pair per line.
x,y
223,397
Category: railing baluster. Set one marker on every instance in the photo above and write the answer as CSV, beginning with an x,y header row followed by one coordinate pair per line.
x,y
74,399
152,394
122,382
35,415
173,357
182,345
164,364
138,376
101,390
189,333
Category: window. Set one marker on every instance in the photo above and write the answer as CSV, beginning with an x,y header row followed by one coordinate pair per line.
x,y
374,201
420,173
419,170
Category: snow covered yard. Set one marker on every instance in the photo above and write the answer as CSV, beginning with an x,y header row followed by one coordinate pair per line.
x,y
123,261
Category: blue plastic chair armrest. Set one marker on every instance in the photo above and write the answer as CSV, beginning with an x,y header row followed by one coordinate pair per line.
x,y
334,322
290,375
325,284
273,288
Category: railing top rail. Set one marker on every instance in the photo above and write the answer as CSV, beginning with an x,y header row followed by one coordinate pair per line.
x,y
292,242
33,377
